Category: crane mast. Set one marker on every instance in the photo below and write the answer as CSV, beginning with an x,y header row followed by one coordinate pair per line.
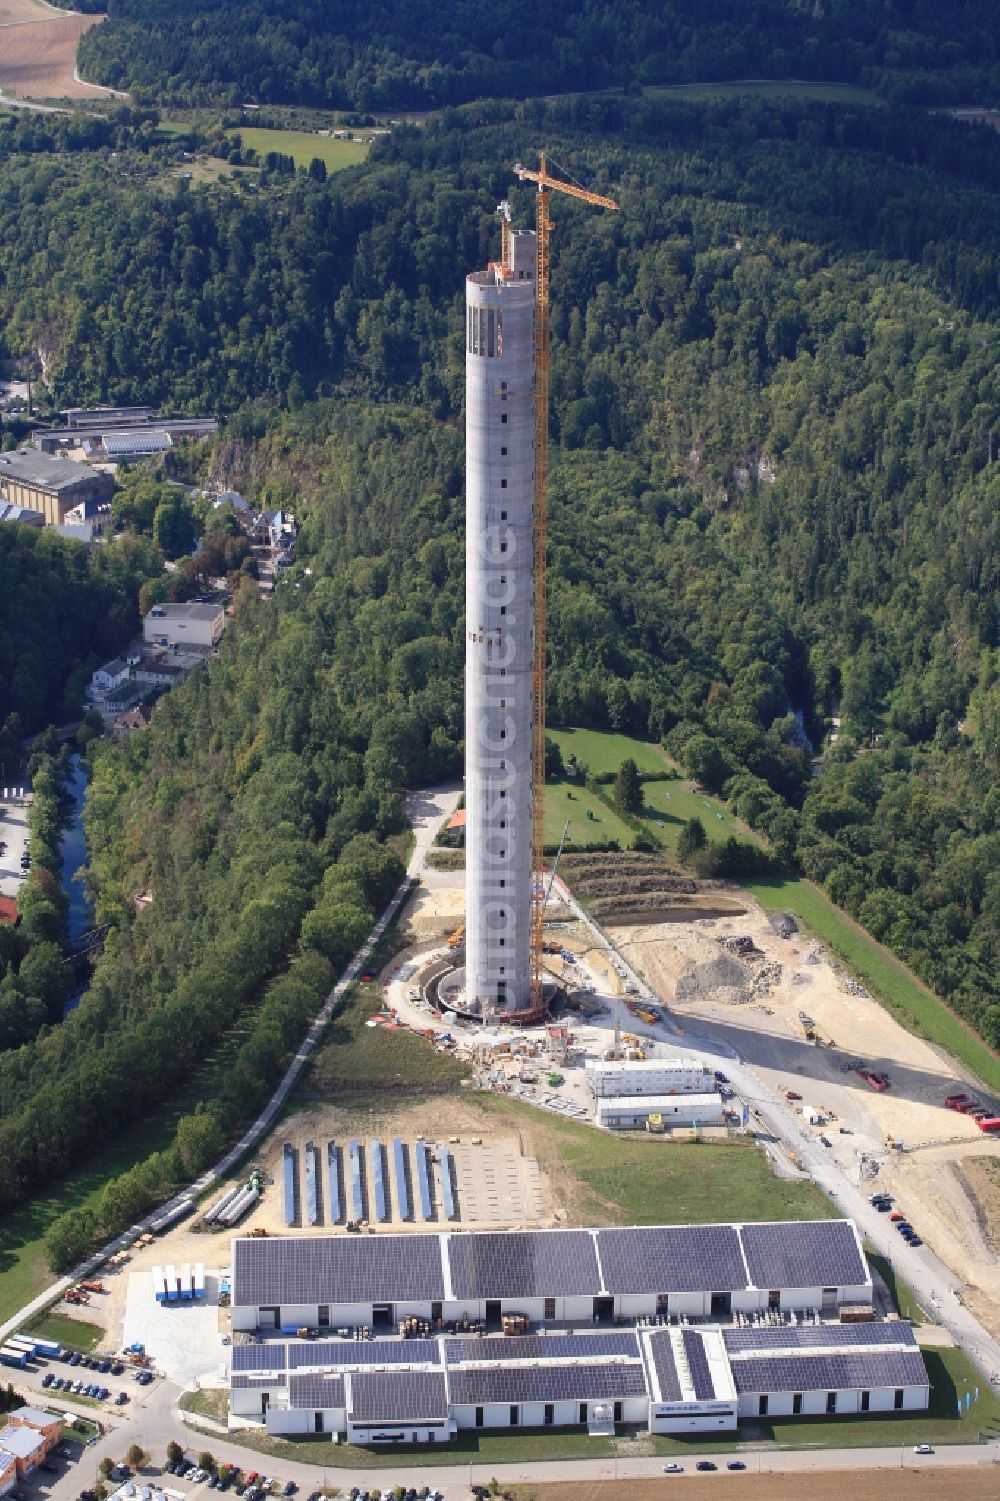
x,y
543,233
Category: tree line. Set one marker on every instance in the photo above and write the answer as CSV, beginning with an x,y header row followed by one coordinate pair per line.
x,y
422,55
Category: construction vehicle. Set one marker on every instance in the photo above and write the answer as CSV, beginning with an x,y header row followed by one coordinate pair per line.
x,y
546,185
457,938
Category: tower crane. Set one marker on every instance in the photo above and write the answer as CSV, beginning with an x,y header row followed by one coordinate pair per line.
x,y
543,231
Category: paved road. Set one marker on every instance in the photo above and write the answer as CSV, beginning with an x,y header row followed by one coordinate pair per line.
x,y
779,1130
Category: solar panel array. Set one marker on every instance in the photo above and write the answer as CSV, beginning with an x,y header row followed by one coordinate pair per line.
x,y
665,1367
378,1182
291,1175
335,1269
257,1383
312,1184
543,1347
316,1391
398,1397
447,1188
664,1259
423,1179
701,1376
399,1168
354,1171
607,1382
854,1369
361,1352
333,1181
269,1357
537,1264
809,1336
817,1253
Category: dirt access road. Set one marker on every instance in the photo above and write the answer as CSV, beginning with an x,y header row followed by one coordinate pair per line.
x,y
38,47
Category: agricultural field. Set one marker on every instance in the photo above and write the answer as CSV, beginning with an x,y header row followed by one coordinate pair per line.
x,y
303,145
38,51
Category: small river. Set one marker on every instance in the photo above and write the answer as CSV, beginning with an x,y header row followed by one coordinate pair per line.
x,y
73,848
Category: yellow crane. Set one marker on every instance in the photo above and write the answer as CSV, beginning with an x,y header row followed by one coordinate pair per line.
x,y
543,231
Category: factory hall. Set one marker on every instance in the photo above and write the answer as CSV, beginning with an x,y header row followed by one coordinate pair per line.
x,y
396,1339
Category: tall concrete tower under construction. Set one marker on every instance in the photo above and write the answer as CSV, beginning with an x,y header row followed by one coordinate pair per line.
x,y
499,601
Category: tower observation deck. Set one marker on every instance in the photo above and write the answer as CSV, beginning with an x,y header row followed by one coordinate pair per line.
x,y
499,643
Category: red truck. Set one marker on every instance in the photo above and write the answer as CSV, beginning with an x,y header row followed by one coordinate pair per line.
x,y
989,1123
955,1101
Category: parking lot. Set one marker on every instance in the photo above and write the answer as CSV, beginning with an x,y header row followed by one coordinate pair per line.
x,y
14,838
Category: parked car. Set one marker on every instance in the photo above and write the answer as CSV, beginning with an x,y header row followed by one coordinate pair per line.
x,y
673,1469
922,1449
289,1488
735,1464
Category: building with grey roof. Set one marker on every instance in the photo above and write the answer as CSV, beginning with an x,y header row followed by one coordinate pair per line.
x,y
184,625
53,486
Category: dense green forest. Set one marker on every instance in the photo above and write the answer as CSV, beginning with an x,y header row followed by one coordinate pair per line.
x,y
64,609
420,55
775,400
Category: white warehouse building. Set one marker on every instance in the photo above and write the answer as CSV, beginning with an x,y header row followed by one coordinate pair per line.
x,y
642,1076
634,1112
669,1380
583,1277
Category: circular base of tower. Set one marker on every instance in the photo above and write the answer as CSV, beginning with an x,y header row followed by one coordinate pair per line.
x,y
444,988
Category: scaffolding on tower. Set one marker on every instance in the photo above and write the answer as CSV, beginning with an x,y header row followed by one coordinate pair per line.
x,y
543,232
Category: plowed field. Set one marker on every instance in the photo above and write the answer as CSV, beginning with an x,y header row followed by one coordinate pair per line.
x,y
38,51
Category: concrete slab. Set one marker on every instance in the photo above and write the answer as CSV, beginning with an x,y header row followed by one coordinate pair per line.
x,y
183,1339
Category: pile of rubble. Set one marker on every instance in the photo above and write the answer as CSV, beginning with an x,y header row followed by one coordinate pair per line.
x,y
851,987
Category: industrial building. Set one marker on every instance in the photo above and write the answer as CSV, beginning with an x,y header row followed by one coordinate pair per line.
x,y
184,625
775,1357
659,1111
642,1076
564,1276
122,432
53,486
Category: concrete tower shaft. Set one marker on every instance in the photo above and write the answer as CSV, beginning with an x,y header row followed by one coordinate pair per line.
x,y
499,597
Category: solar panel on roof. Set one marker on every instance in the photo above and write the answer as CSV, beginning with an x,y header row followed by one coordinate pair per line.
x,y
316,1391
809,1253
336,1269
257,1383
399,1169
356,1189
609,1381
507,1348
810,1336
291,1165
364,1352
701,1376
447,1186
398,1397
666,1370
851,1370
423,1180
333,1181
269,1357
671,1258
378,1181
312,1184
537,1264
